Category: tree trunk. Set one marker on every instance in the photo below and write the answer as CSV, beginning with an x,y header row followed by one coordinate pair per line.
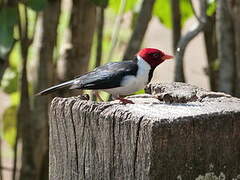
x,y
24,114
1,177
83,21
176,23
146,140
100,28
24,117
138,33
211,49
236,13
50,19
226,47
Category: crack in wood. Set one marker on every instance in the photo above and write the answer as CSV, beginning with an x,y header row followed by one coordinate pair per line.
x,y
112,172
64,129
84,153
136,146
74,134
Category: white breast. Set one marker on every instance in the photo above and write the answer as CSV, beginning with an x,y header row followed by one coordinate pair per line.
x,y
131,84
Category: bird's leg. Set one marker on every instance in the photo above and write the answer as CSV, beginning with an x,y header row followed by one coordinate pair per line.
x,y
96,93
125,101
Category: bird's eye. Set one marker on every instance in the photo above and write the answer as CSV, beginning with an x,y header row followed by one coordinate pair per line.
x,y
155,55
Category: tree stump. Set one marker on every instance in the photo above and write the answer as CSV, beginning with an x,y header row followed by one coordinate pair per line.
x,y
184,133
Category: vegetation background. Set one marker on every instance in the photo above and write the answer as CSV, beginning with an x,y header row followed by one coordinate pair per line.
x,y
44,42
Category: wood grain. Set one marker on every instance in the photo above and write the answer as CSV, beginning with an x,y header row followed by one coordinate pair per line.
x,y
150,139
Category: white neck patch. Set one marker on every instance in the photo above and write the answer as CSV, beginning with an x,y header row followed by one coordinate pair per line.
x,y
142,64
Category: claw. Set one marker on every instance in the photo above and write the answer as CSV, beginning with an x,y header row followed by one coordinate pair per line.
x,y
125,101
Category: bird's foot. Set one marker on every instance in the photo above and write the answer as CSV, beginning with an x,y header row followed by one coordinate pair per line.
x,y
85,97
125,101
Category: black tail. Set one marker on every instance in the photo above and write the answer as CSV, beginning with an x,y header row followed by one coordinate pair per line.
x,y
55,88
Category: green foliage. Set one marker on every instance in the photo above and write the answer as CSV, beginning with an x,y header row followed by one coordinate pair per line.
x,y
102,3
10,77
162,9
115,4
140,92
64,20
186,10
36,5
211,9
15,98
10,81
9,124
8,18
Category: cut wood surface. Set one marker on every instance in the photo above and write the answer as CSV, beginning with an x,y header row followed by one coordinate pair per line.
x,y
179,131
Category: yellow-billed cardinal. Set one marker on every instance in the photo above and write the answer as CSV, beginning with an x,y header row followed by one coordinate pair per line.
x,y
118,78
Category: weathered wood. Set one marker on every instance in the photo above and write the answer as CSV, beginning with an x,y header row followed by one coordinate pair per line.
x,y
198,132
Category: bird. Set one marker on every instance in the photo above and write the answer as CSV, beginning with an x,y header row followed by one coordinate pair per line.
x,y
118,78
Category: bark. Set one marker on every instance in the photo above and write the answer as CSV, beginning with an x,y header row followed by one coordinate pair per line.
x,y
236,12
139,31
83,21
211,50
185,40
176,23
146,140
226,47
50,19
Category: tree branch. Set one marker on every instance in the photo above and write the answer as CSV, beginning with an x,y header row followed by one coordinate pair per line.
x,y
194,11
100,28
184,41
140,28
176,22
116,29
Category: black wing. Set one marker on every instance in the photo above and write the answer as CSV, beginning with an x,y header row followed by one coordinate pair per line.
x,y
106,76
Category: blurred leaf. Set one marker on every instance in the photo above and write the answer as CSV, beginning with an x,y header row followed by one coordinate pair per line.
x,y
36,5
10,80
102,3
15,98
9,124
115,4
162,9
186,10
15,57
211,9
64,20
140,92
8,18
